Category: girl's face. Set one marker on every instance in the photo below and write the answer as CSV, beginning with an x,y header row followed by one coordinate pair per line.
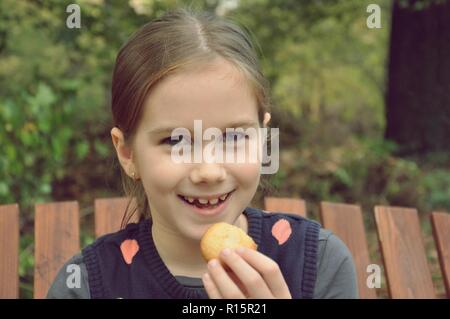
x,y
219,96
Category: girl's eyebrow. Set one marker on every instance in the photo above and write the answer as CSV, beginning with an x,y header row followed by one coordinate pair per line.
x,y
160,130
241,123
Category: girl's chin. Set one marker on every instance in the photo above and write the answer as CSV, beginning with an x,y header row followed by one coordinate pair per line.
x,y
194,232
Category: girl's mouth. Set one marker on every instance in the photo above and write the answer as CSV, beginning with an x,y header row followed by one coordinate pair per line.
x,y
205,206
205,203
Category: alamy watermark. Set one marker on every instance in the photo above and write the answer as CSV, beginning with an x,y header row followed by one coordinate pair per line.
x,y
374,279
374,19
74,278
74,19
246,146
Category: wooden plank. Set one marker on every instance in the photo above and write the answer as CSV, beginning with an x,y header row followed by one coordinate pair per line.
x,y
407,272
109,213
440,222
56,240
286,205
346,221
9,251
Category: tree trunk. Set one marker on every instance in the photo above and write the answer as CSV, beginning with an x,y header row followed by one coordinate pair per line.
x,y
418,91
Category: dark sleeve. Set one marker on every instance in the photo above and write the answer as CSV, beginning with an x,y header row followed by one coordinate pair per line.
x,y
71,282
336,273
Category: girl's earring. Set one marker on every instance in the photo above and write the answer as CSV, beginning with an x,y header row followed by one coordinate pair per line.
x,y
133,175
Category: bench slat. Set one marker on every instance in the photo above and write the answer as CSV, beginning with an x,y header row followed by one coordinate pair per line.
x,y
9,251
407,272
109,213
57,239
286,205
441,231
346,221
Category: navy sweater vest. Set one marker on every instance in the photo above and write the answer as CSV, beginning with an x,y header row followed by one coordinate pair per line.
x,y
110,276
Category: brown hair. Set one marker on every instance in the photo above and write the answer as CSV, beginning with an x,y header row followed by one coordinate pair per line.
x,y
180,38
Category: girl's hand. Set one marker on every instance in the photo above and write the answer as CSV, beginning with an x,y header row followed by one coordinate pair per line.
x,y
252,275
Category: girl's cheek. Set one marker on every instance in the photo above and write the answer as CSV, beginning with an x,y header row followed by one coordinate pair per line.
x,y
155,163
246,173
162,177
165,164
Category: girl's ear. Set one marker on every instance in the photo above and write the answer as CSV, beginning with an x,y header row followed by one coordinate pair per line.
x,y
266,118
124,152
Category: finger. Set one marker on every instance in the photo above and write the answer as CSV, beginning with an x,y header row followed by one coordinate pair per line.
x,y
250,278
223,282
268,269
211,289
238,282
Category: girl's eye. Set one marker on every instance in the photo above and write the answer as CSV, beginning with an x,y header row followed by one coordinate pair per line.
x,y
173,141
234,136
227,137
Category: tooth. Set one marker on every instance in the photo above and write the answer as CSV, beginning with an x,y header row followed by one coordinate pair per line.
x,y
223,196
203,201
213,201
190,199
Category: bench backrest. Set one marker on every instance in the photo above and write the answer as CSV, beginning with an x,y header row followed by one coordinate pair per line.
x,y
407,271
57,238
287,205
440,222
346,221
9,251
109,213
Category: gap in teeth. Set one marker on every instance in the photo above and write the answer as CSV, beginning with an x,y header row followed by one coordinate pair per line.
x,y
204,201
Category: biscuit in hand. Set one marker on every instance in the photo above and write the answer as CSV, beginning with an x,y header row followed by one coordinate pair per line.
x,y
222,235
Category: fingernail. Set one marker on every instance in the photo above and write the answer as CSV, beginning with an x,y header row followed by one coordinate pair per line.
x,y
213,263
240,250
226,252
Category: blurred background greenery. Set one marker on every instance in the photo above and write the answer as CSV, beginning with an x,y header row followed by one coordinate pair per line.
x,y
333,87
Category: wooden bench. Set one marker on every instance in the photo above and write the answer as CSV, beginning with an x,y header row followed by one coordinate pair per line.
x,y
398,229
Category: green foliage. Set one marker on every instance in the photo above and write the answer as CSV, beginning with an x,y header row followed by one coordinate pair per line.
x,y
319,54
279,178
437,188
53,84
86,238
26,265
35,138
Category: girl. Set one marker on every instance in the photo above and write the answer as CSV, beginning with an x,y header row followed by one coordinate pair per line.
x,y
182,67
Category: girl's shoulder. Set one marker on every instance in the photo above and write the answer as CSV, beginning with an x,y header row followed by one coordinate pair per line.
x,y
276,215
279,219
71,281
131,231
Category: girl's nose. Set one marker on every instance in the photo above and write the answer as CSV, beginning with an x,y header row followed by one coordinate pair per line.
x,y
208,173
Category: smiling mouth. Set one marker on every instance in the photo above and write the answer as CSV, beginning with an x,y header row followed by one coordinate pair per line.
x,y
209,204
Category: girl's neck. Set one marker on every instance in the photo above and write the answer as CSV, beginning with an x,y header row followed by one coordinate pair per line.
x,y
183,257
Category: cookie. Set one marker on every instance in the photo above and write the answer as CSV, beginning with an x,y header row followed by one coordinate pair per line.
x,y
223,235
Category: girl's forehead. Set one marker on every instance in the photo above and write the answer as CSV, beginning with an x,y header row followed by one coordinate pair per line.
x,y
218,93
200,74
